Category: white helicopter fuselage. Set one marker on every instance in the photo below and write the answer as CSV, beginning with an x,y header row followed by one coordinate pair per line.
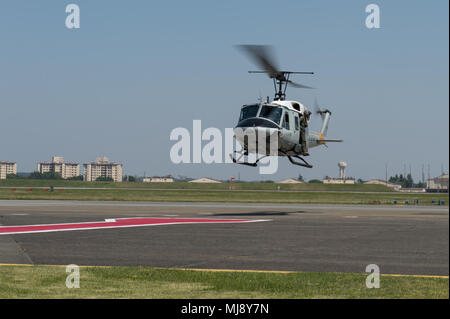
x,y
280,120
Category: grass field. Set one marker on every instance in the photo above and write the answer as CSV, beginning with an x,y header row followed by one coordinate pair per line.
x,y
146,282
189,195
10,183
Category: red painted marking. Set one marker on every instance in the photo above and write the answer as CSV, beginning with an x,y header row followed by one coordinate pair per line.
x,y
115,223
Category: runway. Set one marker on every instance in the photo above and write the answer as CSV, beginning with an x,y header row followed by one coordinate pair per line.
x,y
400,240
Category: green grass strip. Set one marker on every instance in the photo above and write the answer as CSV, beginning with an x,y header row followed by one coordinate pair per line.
x,y
147,282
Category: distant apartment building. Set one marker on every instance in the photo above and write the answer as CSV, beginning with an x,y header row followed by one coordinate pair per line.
x,y
57,165
102,168
7,168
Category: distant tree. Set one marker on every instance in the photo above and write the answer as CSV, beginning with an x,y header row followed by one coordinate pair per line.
x,y
421,185
76,178
406,182
300,177
315,181
104,179
51,175
360,181
409,181
35,175
13,176
182,178
129,178
46,175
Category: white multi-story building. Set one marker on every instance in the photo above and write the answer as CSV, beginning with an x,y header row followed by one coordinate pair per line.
x,y
102,168
57,165
7,168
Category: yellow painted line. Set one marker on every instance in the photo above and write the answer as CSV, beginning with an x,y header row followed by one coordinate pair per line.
x,y
231,270
237,270
20,265
296,272
418,276
299,272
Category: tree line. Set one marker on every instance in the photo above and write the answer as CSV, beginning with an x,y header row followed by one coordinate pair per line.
x,y
406,181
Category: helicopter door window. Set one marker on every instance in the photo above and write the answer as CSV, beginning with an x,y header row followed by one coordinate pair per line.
x,y
249,111
286,121
297,126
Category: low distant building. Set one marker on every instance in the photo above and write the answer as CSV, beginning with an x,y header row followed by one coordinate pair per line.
x,y
204,180
385,183
331,180
57,165
158,179
7,168
102,168
290,181
438,184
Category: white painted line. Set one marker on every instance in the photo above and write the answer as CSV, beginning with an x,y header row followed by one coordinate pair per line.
x,y
114,223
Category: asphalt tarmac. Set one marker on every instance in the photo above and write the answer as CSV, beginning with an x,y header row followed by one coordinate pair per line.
x,y
400,240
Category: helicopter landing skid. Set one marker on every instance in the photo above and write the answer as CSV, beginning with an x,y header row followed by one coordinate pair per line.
x,y
304,164
238,161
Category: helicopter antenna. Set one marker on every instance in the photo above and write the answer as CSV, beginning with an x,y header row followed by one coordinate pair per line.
x,y
260,99
261,54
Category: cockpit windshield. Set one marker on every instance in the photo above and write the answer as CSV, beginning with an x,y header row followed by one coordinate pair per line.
x,y
271,112
249,111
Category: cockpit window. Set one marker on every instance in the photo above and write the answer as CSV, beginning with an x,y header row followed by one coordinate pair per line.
x,y
271,112
249,111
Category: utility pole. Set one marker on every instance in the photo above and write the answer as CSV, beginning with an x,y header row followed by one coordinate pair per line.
x,y
386,172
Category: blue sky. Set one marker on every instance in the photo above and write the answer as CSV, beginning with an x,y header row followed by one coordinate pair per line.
x,y
136,70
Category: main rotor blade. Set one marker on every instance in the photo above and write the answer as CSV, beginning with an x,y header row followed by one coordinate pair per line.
x,y
298,85
285,72
263,56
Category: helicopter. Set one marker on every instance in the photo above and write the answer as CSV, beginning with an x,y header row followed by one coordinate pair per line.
x,y
285,121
